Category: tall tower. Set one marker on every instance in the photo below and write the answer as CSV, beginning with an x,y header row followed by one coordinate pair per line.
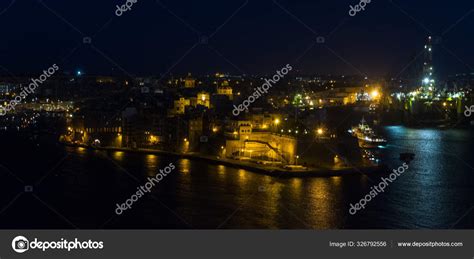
x,y
427,79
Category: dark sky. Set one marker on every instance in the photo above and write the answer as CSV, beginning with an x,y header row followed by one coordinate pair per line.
x,y
260,37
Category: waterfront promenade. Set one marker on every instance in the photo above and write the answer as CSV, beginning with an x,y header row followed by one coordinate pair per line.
x,y
251,166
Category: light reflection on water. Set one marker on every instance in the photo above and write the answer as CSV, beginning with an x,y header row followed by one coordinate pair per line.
x,y
184,166
438,184
434,192
118,155
242,179
152,163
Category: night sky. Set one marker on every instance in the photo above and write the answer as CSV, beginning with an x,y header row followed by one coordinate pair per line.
x,y
254,37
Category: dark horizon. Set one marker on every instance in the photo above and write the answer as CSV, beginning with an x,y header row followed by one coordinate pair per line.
x,y
240,37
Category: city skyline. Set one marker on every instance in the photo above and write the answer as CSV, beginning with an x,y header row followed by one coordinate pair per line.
x,y
347,115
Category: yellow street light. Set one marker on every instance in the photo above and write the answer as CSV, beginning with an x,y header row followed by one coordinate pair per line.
x,y
320,131
374,94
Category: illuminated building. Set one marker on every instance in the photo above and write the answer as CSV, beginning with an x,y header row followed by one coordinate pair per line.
x,y
225,89
203,99
189,81
341,96
244,143
180,106
96,125
261,121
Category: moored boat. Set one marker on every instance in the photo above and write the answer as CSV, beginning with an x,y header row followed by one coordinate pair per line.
x,y
366,136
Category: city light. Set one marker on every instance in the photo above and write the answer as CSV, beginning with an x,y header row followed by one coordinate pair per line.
x,y
153,139
320,131
347,127
374,94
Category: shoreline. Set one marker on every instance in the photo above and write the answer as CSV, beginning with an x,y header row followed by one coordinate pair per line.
x,y
255,168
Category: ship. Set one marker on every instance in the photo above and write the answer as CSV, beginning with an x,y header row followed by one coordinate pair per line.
x,y
366,136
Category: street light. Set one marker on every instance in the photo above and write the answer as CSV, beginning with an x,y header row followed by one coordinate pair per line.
x,y
320,131
374,94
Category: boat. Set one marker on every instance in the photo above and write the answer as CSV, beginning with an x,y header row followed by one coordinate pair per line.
x,y
366,136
